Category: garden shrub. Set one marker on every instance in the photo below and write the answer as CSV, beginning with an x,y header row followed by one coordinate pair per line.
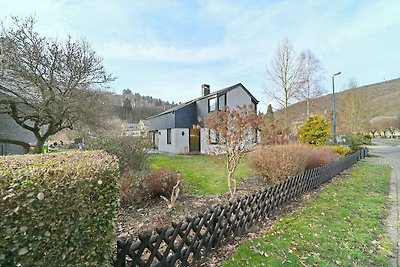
x,y
356,141
130,150
318,156
131,187
342,150
277,162
58,209
160,183
126,192
315,131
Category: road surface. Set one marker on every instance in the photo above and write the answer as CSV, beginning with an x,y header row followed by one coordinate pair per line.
x,y
390,149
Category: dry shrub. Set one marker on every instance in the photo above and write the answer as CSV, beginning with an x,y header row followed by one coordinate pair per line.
x,y
277,162
318,156
160,182
126,192
131,187
135,187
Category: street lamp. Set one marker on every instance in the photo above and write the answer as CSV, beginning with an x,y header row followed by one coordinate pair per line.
x,y
334,107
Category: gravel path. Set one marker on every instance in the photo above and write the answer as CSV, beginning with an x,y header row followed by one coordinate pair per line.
x,y
390,150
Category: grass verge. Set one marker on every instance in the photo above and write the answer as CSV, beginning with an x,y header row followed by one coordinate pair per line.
x,y
203,175
342,226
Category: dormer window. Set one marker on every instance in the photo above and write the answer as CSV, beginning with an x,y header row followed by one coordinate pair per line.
x,y
212,104
221,101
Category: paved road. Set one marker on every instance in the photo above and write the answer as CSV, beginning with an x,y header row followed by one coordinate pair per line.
x,y
390,149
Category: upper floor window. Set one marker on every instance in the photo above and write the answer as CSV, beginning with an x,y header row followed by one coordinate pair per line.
x,y
221,102
212,104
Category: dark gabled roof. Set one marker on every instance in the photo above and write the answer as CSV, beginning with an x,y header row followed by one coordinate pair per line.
x,y
219,92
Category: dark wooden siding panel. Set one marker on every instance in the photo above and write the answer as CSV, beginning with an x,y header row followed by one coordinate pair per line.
x,y
186,116
202,107
161,122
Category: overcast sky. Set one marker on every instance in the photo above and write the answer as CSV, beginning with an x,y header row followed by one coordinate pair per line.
x,y
167,49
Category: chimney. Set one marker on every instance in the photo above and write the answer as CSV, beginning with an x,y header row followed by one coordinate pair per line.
x,y
205,89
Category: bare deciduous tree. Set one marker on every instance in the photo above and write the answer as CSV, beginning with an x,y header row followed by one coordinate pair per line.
x,y
237,132
311,77
386,124
51,84
354,111
285,74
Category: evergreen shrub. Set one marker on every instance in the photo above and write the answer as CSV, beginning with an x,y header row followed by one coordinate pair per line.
x,y
130,150
342,150
58,209
315,131
356,141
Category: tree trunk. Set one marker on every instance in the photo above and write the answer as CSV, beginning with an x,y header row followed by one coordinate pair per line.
x,y
40,140
231,184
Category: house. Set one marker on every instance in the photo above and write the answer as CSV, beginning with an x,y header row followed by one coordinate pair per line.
x,y
13,138
130,129
135,129
10,130
179,130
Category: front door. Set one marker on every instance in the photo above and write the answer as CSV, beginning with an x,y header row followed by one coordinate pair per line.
x,y
194,140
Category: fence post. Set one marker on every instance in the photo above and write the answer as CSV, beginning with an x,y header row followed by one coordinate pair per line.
x,y
122,249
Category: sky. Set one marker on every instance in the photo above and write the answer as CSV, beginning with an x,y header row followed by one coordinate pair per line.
x,y
167,49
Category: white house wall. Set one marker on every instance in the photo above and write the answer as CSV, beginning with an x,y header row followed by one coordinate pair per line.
x,y
179,141
205,146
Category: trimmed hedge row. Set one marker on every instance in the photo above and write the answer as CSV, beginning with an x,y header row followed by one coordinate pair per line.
x,y
58,209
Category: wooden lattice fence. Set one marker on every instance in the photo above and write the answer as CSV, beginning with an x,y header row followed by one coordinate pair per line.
x,y
186,241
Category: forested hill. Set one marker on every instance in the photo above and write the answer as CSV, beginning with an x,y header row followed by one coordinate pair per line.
x,y
132,107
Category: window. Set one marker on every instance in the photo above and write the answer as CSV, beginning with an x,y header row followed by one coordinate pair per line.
x,y
213,137
168,136
212,104
256,136
221,102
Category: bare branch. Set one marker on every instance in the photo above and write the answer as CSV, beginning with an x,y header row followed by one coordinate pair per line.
x,y
237,135
48,83
26,146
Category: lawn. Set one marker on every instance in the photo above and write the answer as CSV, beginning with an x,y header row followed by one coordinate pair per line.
x,y
202,174
342,226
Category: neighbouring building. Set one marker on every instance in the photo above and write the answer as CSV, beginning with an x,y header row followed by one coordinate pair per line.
x,y
10,130
135,129
173,130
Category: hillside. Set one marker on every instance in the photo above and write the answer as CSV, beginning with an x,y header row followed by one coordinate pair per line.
x,y
132,107
382,99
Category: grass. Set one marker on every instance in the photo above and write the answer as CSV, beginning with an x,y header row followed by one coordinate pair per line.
x,y
202,174
342,226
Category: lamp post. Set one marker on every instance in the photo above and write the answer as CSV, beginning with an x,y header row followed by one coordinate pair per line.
x,y
334,107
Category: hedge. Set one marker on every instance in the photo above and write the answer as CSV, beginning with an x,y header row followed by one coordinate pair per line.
x,y
58,209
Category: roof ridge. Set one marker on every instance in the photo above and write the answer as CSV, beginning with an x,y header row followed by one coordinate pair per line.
x,y
226,89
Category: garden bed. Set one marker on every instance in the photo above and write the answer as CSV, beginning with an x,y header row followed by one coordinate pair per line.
x,y
145,218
